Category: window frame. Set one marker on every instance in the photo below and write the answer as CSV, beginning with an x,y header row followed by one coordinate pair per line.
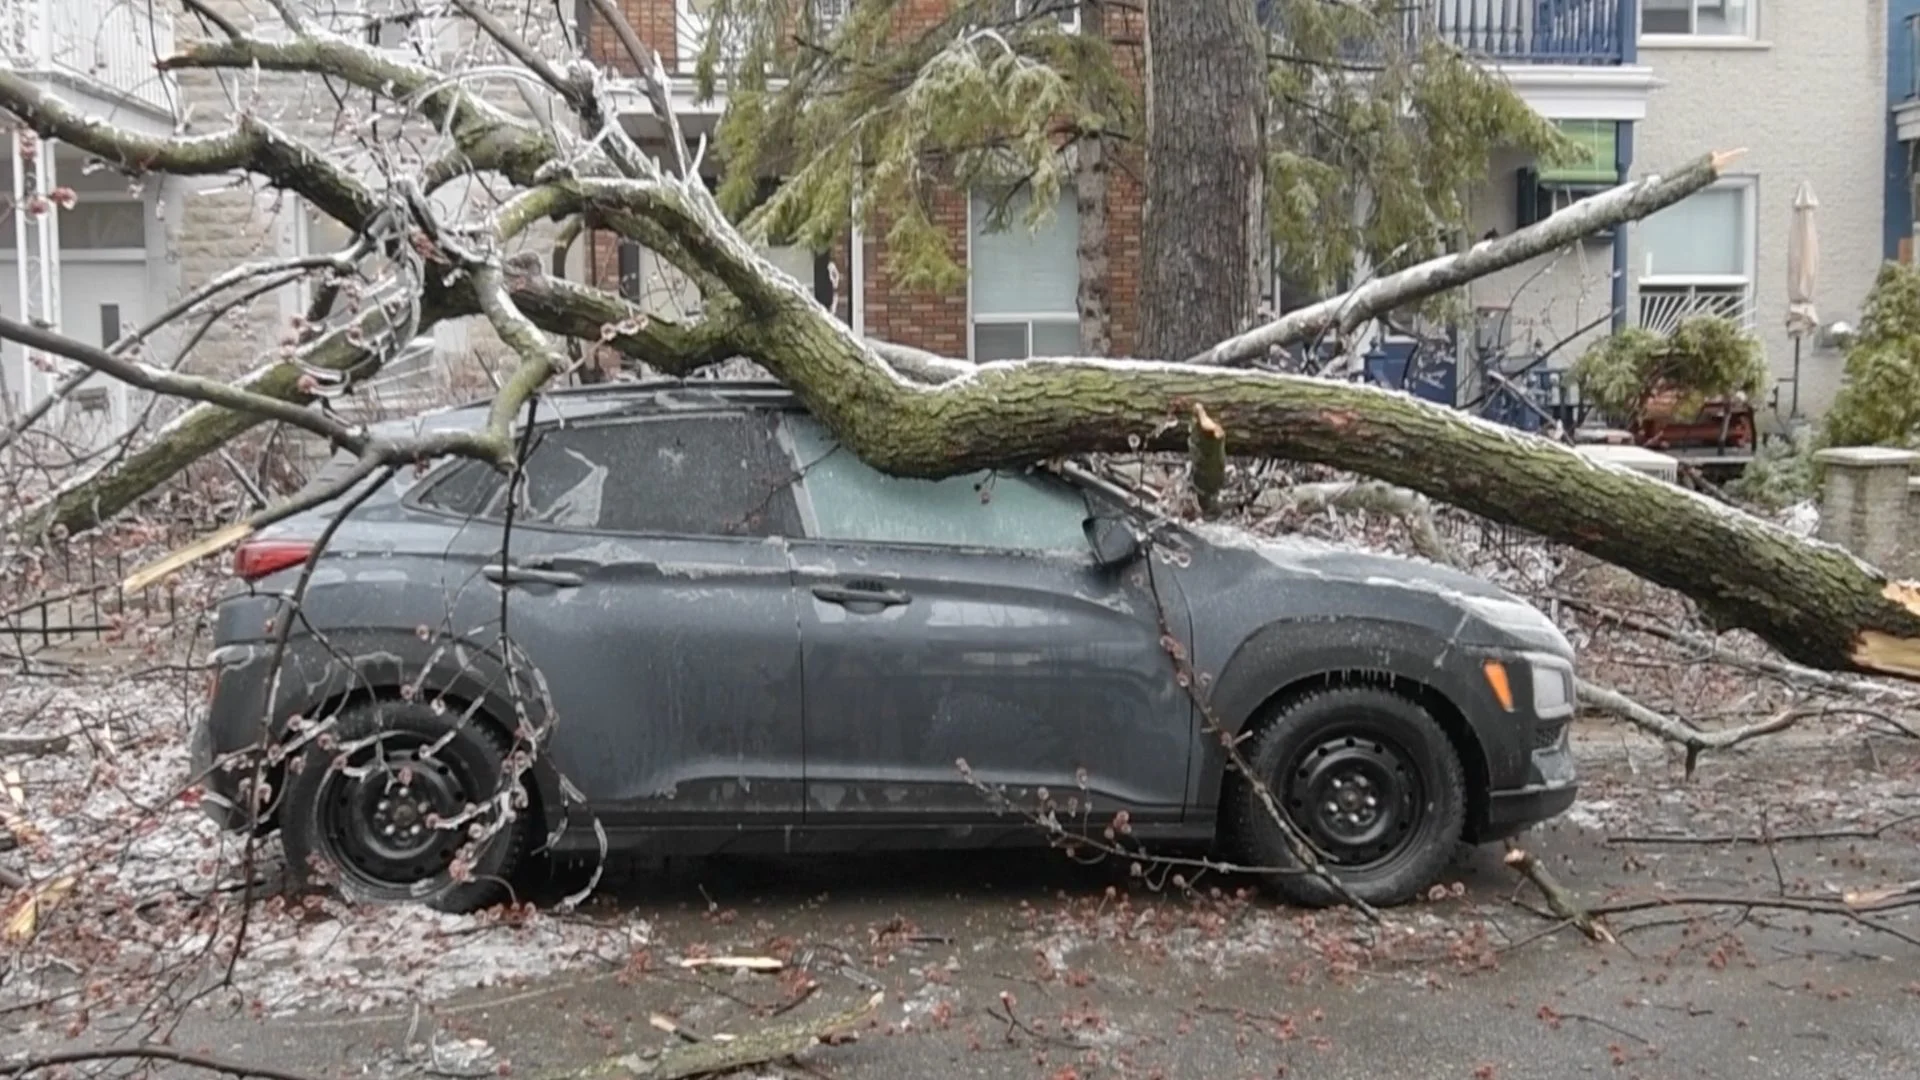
x,y
1019,318
417,498
690,37
1069,19
1749,32
810,517
829,23
1748,188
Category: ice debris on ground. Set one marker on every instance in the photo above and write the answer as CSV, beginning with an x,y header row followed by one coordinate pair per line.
x,y
152,884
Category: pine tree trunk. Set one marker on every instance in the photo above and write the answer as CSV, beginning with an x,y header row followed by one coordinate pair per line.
x,y
1204,229
1092,182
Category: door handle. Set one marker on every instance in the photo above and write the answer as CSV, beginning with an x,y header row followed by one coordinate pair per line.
x,y
855,597
527,575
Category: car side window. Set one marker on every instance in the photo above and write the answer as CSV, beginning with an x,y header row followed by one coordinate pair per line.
x,y
998,510
706,475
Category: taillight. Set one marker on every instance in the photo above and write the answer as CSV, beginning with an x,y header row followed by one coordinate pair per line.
x,y
256,559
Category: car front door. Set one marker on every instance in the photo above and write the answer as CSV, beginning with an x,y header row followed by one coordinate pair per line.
x,y
648,583
964,620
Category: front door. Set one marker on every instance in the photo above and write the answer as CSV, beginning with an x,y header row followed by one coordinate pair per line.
x,y
647,583
956,634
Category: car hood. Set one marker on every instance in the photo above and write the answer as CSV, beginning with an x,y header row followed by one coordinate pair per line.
x,y
1323,579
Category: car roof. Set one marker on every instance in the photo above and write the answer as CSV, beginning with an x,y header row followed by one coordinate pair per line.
x,y
637,397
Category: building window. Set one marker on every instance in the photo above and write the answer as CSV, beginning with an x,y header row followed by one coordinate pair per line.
x,y
94,223
829,14
1025,284
1067,11
693,18
1697,18
1696,258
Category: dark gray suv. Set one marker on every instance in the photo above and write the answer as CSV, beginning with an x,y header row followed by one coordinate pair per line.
x,y
730,635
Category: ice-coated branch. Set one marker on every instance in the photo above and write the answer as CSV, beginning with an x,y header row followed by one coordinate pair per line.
x,y
1346,312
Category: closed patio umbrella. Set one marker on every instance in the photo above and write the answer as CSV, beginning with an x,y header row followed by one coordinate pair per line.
x,y
1803,267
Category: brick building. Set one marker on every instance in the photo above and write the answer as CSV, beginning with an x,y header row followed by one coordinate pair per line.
x,y
1020,299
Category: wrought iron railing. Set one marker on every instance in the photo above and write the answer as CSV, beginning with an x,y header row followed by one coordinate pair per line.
x,y
1522,31
111,44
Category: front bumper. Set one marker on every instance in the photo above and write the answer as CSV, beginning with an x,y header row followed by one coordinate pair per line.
x,y
1534,777
1551,788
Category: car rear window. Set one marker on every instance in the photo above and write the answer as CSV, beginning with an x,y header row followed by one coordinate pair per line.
x,y
707,475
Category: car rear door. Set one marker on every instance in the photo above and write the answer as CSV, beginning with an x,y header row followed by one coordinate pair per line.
x,y
965,620
648,582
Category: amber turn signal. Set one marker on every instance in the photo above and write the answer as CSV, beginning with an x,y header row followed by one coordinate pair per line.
x,y
1497,679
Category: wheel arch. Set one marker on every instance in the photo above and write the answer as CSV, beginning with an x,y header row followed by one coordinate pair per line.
x,y
1289,660
353,667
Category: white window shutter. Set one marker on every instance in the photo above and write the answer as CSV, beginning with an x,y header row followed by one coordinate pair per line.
x,y
1018,272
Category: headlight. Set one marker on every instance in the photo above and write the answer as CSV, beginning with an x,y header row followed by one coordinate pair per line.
x,y
1552,687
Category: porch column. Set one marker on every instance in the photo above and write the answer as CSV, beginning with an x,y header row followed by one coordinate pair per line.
x,y
36,247
1623,166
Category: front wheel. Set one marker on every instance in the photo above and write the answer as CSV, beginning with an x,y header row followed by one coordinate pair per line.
x,y
407,804
1373,783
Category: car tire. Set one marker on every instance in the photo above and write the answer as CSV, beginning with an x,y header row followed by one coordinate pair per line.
x,y
1323,755
368,831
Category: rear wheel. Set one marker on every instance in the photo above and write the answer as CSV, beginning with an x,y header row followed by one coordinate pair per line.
x,y
406,806
1371,780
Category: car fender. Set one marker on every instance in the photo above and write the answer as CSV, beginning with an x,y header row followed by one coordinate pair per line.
x,y
317,671
1289,652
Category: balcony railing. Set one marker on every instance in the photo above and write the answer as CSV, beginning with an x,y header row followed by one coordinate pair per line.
x,y
1522,31
109,45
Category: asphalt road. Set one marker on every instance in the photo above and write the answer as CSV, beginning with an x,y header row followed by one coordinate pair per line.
x,y
1106,977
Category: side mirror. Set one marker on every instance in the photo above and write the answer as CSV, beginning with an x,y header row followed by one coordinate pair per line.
x,y
1113,540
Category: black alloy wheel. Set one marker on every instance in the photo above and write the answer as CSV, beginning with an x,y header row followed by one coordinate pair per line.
x,y
405,806
1371,781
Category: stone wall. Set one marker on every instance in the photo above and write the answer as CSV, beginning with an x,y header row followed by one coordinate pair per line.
x,y
1870,505
224,222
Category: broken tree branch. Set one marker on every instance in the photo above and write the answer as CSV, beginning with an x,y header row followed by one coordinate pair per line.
x,y
145,1052
1345,312
716,1055
1673,730
33,744
251,144
1763,838
1561,902
1207,446
191,387
1818,605
1715,651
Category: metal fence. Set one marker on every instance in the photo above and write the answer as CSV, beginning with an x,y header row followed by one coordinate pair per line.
x,y
69,593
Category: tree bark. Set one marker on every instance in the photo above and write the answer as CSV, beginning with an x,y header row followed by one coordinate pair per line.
x,y
1092,181
1203,229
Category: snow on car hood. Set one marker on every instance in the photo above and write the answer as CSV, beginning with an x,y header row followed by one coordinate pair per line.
x,y
1484,601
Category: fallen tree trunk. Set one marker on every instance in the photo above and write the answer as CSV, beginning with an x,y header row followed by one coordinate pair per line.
x,y
1815,603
